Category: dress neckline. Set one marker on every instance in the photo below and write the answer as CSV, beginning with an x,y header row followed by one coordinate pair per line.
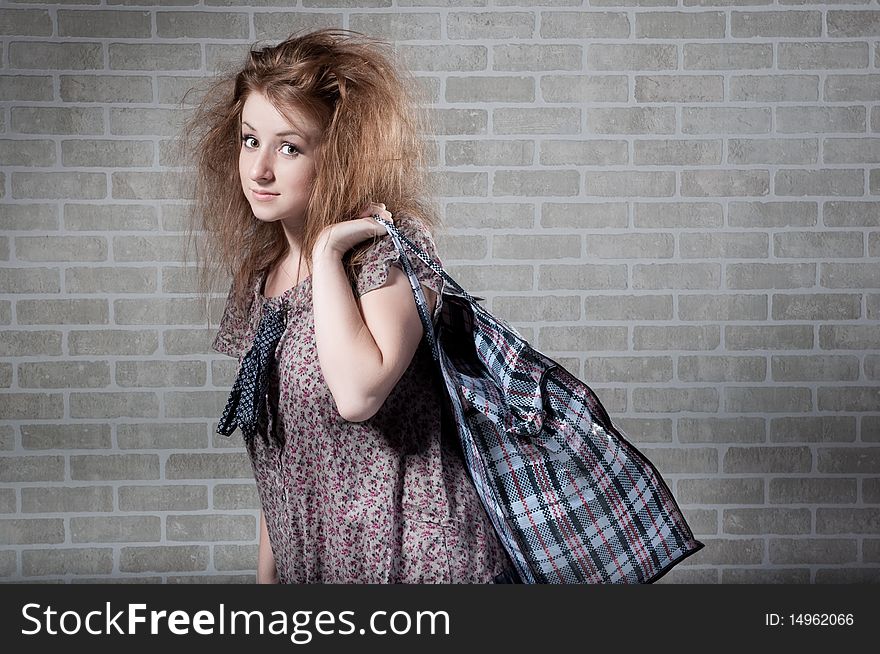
x,y
284,295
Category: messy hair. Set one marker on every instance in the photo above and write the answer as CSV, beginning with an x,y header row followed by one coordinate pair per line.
x,y
374,125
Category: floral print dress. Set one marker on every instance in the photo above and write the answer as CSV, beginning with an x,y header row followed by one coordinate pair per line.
x,y
386,500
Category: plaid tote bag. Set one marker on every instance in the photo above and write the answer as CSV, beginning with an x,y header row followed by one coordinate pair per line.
x,y
571,499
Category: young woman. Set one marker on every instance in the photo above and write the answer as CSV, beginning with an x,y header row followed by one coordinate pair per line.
x,y
337,396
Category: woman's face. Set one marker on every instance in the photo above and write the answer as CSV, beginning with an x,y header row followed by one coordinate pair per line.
x,y
276,161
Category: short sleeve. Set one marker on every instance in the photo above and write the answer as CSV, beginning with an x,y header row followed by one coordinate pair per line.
x,y
383,254
232,334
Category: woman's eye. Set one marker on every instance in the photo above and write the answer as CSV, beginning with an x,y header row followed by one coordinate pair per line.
x,y
245,139
293,149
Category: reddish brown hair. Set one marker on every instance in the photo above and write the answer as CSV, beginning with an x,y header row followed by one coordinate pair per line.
x,y
374,123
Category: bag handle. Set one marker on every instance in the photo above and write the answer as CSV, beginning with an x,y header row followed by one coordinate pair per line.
x,y
393,230
421,302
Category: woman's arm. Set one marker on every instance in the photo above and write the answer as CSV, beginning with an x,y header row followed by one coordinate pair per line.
x,y
266,571
364,346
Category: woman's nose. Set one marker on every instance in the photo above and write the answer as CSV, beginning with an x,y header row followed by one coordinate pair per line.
x,y
261,167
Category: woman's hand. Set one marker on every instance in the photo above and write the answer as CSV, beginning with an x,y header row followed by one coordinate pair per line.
x,y
341,237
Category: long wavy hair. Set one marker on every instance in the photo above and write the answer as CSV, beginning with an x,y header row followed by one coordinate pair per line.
x,y
375,125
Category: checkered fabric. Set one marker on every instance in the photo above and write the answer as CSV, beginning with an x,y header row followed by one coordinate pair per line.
x,y
570,498
248,396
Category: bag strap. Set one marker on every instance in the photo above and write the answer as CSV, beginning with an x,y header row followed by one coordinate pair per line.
x,y
421,302
421,254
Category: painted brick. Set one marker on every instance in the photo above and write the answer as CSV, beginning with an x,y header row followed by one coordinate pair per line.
x,y
611,183
276,26
34,216
44,55
163,498
211,527
711,368
819,182
671,400
747,24
812,550
856,460
540,120
106,529
553,183
578,338
721,491
208,466
819,306
30,280
583,153
109,217
31,531
198,24
195,404
28,406
443,57
773,151
636,369
160,373
773,214
774,88
25,87
31,468
702,183
152,435
25,22
732,551
505,88
582,25
806,56
67,499
766,521
88,467
113,341
767,459
859,337
848,398
577,88
537,57
765,576
722,430
77,561
188,341
799,368
114,405
236,496
631,120
581,277
680,25
175,558
770,275
727,56
630,56
813,429
235,557
30,152
398,26
681,337
154,56
65,436
99,152
851,87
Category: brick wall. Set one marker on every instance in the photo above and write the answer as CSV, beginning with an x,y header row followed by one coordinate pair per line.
x,y
677,201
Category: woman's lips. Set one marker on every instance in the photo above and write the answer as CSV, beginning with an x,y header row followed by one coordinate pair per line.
x,y
263,196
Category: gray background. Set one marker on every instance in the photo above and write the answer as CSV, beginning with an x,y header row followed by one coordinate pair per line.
x,y
677,201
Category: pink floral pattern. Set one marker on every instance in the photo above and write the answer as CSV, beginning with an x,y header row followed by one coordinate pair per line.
x,y
386,500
